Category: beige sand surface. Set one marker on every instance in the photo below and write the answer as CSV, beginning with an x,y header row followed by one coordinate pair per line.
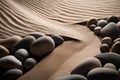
x,y
19,17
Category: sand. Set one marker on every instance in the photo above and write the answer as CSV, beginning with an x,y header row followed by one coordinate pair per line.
x,y
19,17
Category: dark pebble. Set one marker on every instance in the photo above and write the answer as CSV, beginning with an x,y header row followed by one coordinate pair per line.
x,y
102,23
114,19
104,48
92,21
117,39
106,40
92,27
97,30
110,65
116,47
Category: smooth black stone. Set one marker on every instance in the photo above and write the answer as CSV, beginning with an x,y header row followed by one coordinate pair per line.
x,y
92,27
114,19
72,77
109,57
102,23
104,48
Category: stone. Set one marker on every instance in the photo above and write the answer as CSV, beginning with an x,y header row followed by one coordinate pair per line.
x,y
110,65
29,63
3,51
11,74
57,39
92,21
109,57
107,40
97,30
103,74
104,48
118,24
22,54
10,62
36,34
25,43
92,27
114,19
84,67
102,23
117,39
72,77
42,46
9,42
116,47
119,71
110,30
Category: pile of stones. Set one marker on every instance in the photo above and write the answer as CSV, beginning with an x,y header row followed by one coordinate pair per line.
x,y
18,54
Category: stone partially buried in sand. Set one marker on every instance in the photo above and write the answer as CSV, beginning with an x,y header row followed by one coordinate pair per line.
x,y
3,51
25,43
36,34
116,47
102,23
114,19
72,77
86,66
21,54
110,30
10,62
109,57
9,42
11,74
92,21
103,74
42,46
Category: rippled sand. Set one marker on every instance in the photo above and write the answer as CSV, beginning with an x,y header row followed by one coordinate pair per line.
x,y
19,17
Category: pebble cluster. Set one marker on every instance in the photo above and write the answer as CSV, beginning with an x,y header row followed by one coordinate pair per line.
x,y
106,65
18,54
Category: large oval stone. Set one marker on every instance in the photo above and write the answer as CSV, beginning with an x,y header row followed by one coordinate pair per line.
x,y
42,46
116,47
9,42
110,30
36,34
72,77
25,43
84,67
103,74
109,57
3,51
10,62
12,74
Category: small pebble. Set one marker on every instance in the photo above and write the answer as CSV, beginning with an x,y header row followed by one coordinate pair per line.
x,y
42,46
10,62
84,67
102,23
92,21
114,19
3,51
97,30
92,27
12,74
103,74
117,39
116,47
21,54
72,77
104,48
29,63
106,40
36,34
110,65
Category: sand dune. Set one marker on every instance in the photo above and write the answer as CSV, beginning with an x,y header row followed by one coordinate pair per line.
x,y
19,17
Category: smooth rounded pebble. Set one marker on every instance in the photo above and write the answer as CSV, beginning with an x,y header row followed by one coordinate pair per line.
x,y
84,67
72,77
97,30
116,47
42,46
12,74
114,19
92,27
3,51
118,24
117,39
10,62
36,34
106,40
21,54
103,74
25,43
110,65
104,48
57,39
9,42
109,57
29,63
102,23
110,30
92,21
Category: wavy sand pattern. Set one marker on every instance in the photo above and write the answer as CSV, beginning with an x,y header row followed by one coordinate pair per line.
x,y
19,17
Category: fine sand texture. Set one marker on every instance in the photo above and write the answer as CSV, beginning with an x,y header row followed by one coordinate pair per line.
x,y
63,17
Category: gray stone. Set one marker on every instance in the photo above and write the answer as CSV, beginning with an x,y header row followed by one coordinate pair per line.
x,y
102,23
